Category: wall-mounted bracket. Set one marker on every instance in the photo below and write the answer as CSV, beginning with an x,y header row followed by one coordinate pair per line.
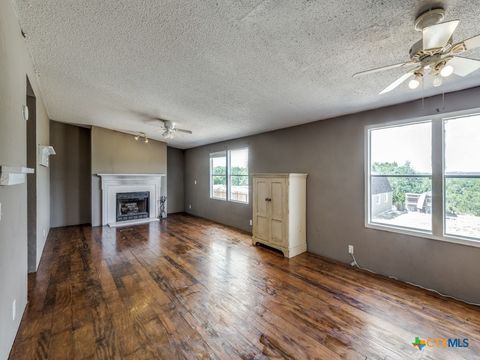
x,y
44,152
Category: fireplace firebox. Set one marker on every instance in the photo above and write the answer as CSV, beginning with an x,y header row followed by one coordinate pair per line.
x,y
133,205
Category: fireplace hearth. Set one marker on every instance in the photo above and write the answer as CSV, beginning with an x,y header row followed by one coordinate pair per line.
x,y
133,205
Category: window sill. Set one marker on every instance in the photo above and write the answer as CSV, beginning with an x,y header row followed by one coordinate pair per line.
x,y
230,201
425,234
238,202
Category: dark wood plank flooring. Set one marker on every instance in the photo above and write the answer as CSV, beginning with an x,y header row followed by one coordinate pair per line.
x,y
188,288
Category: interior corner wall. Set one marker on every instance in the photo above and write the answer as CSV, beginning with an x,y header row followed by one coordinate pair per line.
x,y
331,152
114,152
175,180
15,66
70,171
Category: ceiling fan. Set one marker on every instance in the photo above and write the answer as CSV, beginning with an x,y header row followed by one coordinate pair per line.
x,y
436,53
170,128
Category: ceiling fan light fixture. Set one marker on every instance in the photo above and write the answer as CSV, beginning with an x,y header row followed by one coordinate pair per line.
x,y
136,137
413,84
446,71
146,140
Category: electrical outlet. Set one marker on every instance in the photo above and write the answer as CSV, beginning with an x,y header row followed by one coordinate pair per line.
x,y
350,249
14,309
251,222
189,206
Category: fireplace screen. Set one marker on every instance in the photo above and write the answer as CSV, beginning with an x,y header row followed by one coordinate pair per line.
x,y
133,205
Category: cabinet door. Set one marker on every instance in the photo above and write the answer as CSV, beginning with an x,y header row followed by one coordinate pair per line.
x,y
261,219
278,211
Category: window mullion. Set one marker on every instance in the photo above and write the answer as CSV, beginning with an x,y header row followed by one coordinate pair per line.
x,y
437,177
227,173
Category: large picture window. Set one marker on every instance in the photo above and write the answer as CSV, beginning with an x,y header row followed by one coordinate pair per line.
x,y
229,175
401,172
462,177
424,177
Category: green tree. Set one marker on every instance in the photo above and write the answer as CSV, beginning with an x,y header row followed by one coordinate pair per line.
x,y
463,196
237,175
402,185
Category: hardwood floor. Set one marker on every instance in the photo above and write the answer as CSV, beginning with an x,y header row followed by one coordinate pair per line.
x,y
188,288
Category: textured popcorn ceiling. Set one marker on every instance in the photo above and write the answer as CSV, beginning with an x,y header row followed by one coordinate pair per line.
x,y
224,68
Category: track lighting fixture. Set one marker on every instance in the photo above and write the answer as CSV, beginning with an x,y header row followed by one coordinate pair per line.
x,y
141,135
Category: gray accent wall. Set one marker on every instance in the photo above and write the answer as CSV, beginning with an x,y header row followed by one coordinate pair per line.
x,y
70,175
175,180
119,153
331,152
15,66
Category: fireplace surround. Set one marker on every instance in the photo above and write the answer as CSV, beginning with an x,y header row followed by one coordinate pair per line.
x,y
153,186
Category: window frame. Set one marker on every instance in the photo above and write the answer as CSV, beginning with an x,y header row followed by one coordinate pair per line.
x,y
211,156
228,175
438,179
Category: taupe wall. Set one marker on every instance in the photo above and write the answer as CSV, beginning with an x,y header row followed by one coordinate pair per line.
x,y
70,175
115,152
15,65
175,180
332,153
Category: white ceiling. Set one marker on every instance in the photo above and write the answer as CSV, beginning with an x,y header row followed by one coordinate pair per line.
x,y
224,68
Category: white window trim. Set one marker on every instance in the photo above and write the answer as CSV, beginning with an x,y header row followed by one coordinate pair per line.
x,y
227,154
438,222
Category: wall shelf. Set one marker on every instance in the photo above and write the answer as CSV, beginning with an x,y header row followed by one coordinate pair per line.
x,y
11,175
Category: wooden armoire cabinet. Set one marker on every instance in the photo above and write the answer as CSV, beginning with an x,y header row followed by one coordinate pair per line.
x,y
279,212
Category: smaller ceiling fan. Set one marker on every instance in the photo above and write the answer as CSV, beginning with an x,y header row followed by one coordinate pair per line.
x,y
170,128
434,54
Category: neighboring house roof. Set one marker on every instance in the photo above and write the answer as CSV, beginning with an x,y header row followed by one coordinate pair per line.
x,y
380,185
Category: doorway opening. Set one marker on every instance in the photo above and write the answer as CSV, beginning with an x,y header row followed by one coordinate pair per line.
x,y
31,103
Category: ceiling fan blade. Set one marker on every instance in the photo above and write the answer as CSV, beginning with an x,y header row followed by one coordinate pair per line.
x,y
383,68
184,131
438,35
472,43
397,82
464,66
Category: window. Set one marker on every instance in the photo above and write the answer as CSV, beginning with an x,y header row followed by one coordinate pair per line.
x,y
429,173
238,175
229,177
218,175
462,176
401,166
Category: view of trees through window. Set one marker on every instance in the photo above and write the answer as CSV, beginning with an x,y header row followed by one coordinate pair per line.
x,y
462,176
218,172
236,173
401,174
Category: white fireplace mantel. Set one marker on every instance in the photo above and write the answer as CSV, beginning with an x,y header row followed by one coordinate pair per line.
x,y
112,184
